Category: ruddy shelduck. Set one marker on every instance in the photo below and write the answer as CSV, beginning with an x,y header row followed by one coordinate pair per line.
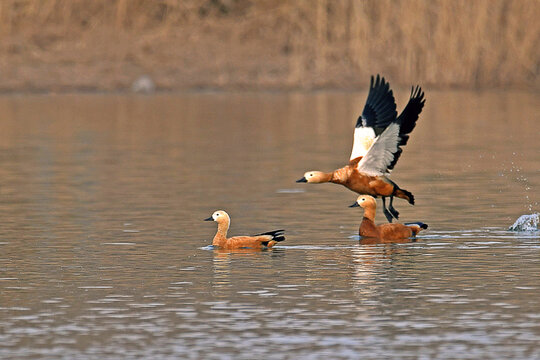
x,y
377,142
368,229
259,241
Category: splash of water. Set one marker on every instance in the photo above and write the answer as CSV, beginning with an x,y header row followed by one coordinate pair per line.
x,y
526,223
515,172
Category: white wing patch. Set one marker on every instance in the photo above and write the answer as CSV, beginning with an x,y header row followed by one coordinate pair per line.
x,y
381,153
363,139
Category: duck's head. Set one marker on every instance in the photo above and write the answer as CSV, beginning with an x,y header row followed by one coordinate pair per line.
x,y
219,216
365,201
313,177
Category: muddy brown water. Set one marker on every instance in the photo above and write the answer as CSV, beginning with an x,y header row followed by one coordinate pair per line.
x,y
104,254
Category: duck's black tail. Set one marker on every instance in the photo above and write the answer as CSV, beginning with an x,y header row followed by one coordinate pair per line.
x,y
404,194
277,235
421,225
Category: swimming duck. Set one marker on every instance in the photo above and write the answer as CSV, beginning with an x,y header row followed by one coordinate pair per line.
x,y
378,138
368,228
259,241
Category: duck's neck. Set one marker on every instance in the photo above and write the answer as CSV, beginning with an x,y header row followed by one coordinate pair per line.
x,y
323,177
339,176
221,235
369,213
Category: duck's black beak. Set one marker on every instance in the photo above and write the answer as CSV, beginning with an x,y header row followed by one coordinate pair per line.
x,y
354,205
303,179
209,219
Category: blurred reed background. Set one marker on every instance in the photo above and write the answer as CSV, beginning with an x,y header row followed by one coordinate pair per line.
x,y
104,45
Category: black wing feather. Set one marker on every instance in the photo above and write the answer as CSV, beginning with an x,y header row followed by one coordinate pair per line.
x,y
380,108
407,120
277,235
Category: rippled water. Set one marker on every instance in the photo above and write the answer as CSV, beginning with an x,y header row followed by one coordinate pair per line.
x,y
104,254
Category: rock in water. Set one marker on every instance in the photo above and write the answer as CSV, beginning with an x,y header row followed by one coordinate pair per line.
x,y
526,223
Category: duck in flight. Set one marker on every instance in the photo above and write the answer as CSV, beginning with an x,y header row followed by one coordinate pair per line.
x,y
259,241
387,232
378,137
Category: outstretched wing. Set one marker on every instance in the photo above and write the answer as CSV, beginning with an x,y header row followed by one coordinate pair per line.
x,y
407,120
379,111
380,108
381,154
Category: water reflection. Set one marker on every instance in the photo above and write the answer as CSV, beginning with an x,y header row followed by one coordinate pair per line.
x,y
102,252
222,267
376,241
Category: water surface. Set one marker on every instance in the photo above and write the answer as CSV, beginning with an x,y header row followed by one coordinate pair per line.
x,y
103,251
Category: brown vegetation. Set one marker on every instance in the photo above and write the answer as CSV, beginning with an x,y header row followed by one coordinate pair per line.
x,y
65,45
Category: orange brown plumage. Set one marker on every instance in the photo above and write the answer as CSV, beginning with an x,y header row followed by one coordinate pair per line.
x,y
368,229
259,241
378,137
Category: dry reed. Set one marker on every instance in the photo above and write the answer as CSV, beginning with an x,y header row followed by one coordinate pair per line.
x,y
105,44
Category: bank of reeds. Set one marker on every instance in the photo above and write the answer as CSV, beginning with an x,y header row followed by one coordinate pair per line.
x,y
105,44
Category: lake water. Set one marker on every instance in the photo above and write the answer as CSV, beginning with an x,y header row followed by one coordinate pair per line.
x,y
104,254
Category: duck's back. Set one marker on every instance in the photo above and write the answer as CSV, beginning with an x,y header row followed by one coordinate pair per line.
x,y
238,242
396,231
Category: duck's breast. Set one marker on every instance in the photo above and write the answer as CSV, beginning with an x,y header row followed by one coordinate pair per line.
x,y
360,183
368,229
